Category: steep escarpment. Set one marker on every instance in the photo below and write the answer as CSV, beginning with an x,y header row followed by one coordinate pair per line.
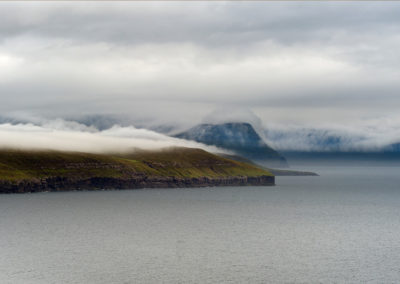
x,y
34,171
241,138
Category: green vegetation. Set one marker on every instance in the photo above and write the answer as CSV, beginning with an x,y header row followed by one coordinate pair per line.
x,y
16,165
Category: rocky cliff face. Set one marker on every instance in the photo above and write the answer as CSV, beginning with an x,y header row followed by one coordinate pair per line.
x,y
99,183
238,137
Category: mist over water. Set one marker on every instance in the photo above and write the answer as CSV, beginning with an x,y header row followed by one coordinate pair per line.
x,y
342,226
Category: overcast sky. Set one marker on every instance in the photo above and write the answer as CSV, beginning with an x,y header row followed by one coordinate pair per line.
x,y
288,62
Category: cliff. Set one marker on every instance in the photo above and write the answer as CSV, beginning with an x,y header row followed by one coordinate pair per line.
x,y
35,171
241,138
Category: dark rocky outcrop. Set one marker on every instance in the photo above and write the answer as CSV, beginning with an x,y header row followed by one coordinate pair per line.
x,y
240,138
99,183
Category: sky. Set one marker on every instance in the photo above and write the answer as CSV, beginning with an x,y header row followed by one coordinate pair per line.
x,y
298,64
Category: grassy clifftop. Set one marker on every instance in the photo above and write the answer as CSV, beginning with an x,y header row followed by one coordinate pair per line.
x,y
181,163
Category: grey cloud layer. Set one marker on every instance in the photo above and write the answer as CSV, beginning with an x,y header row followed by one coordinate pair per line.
x,y
164,61
202,22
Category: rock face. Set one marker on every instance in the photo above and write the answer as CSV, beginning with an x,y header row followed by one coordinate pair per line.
x,y
99,183
238,137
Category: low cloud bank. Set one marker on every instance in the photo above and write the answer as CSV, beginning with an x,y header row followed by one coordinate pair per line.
x,y
64,135
100,134
365,136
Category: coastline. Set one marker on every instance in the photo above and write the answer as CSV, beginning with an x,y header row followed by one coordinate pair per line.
x,y
55,184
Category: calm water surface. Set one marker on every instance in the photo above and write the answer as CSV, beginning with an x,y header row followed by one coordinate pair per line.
x,y
341,227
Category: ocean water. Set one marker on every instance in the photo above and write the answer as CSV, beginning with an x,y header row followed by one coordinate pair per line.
x,y
340,227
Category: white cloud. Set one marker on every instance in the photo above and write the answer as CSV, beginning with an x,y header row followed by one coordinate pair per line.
x,y
71,136
172,62
362,135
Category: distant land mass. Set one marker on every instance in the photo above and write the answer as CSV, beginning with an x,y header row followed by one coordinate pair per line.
x,y
240,138
332,147
275,172
34,171
308,139
395,147
350,158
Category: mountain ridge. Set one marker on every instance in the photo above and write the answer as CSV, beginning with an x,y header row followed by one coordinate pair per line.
x,y
240,138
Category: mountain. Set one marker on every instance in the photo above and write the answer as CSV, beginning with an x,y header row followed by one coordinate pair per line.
x,y
101,122
240,138
314,140
394,148
33,171
331,147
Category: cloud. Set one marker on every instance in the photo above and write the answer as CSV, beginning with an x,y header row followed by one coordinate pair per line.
x,y
100,134
168,63
368,135
71,136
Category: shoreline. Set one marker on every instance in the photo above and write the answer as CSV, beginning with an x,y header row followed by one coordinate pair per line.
x,y
55,184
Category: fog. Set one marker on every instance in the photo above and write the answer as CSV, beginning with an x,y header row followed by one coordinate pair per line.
x,y
367,135
112,133
71,136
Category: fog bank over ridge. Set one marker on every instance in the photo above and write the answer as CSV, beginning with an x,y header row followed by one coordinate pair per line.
x,y
63,135
369,135
100,133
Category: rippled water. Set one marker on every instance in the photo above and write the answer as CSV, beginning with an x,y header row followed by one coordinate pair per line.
x,y
343,226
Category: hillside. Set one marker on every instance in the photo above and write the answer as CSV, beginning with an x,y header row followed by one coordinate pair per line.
x,y
240,138
29,171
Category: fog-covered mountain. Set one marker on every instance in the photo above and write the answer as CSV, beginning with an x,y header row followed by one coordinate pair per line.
x,y
316,140
395,147
282,138
332,146
240,138
101,122
12,120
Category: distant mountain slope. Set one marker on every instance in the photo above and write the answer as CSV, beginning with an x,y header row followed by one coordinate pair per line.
x,y
314,140
395,147
238,137
30,171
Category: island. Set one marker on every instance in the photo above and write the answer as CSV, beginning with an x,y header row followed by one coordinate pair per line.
x,y
23,171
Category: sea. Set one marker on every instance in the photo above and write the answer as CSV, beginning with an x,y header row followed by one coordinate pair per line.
x,y
342,226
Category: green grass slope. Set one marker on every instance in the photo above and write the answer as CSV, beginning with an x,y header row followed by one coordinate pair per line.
x,y
17,165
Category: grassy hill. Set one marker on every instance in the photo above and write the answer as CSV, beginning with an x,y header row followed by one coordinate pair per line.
x,y
139,168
